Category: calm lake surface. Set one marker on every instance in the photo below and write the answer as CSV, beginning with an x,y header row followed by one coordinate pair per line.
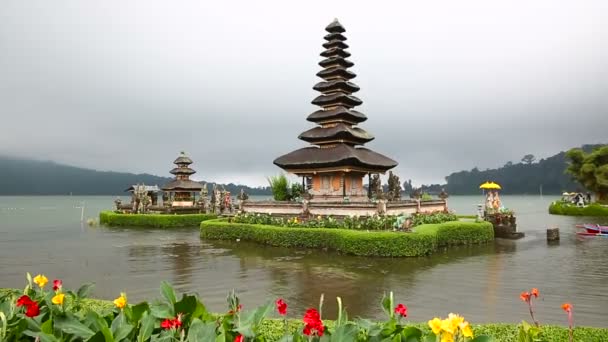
x,y
44,235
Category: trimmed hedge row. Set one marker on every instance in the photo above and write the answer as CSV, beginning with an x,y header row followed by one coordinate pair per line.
x,y
111,218
273,329
423,241
594,209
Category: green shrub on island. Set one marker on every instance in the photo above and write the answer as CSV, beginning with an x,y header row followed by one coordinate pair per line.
x,y
424,240
375,222
59,314
563,208
113,219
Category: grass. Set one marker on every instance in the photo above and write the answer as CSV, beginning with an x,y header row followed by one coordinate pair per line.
x,y
110,218
594,209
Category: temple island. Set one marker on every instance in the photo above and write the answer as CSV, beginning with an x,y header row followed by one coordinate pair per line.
x,y
334,166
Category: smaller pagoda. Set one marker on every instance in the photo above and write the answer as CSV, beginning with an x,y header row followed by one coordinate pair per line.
x,y
182,190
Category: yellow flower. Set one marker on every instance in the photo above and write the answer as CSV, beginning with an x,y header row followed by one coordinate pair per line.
x,y
455,320
447,337
465,327
446,325
40,280
121,301
58,299
435,325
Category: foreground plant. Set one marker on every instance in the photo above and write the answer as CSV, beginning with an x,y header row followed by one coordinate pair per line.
x,y
36,314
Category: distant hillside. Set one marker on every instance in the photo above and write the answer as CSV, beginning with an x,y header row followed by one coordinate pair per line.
x,y
32,177
525,177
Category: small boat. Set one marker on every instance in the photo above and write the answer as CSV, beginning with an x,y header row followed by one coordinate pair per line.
x,y
592,234
593,228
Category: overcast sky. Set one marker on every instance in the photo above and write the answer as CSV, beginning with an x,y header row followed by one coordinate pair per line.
x,y
446,85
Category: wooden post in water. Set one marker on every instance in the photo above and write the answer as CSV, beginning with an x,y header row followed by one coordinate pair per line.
x,y
553,234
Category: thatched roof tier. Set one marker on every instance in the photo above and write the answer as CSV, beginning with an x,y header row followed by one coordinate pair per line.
x,y
182,159
335,86
337,99
334,36
336,61
335,27
182,185
339,132
336,72
335,44
337,114
335,52
341,155
182,171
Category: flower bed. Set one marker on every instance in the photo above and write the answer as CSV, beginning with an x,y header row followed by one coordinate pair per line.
x,y
111,218
561,208
58,314
376,222
424,240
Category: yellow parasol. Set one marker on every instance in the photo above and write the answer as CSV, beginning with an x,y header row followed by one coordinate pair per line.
x,y
490,185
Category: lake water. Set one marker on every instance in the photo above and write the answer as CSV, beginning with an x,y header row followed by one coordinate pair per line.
x,y
44,235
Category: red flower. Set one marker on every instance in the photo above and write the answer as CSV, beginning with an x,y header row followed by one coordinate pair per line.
x,y
238,309
525,296
534,292
24,301
32,310
57,284
281,307
239,338
171,323
313,323
167,324
567,307
401,310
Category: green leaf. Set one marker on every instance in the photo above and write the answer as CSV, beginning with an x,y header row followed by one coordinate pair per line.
x,y
201,332
71,325
122,332
136,311
482,338
98,337
187,305
44,337
167,292
411,332
344,333
85,290
147,326
47,327
162,310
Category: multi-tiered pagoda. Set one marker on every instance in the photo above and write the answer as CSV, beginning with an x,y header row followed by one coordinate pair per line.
x,y
182,188
335,165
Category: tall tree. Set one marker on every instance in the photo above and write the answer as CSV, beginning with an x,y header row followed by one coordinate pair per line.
x,y
528,159
590,169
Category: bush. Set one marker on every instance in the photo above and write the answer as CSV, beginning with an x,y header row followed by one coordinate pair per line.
x,y
111,218
561,208
423,241
280,187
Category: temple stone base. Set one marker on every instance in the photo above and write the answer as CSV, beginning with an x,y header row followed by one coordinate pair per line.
x,y
504,228
341,209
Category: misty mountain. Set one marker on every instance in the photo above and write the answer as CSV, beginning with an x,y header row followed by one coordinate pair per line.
x,y
33,177
526,177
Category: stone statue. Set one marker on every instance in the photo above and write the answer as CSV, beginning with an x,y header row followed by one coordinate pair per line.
x,y
117,203
416,194
202,199
394,187
243,196
443,194
142,200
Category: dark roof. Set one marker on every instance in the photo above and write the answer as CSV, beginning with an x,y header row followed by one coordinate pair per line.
x,y
335,44
335,85
340,131
337,99
342,155
334,36
336,61
335,27
336,71
183,159
149,188
179,184
334,52
182,171
338,113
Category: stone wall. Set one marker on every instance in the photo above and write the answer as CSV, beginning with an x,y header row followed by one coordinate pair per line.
x,y
343,209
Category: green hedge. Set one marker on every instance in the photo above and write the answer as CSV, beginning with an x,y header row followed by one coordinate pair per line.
x,y
111,218
273,329
424,240
594,209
